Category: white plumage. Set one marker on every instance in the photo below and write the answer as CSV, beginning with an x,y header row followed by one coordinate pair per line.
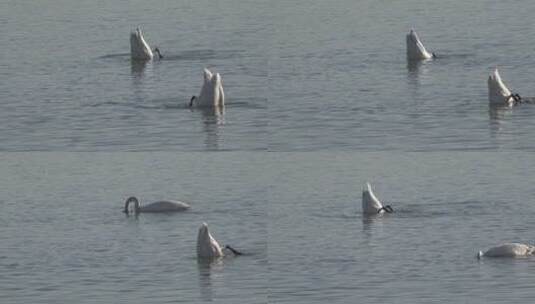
x,y
159,206
415,48
139,48
212,94
370,203
508,250
207,246
499,94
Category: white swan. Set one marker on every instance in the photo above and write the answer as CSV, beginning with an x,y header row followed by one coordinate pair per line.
x,y
212,94
499,94
209,248
371,204
415,48
160,206
508,250
139,48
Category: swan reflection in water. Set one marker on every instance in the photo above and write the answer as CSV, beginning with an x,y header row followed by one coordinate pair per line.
x,y
206,269
498,118
138,68
212,121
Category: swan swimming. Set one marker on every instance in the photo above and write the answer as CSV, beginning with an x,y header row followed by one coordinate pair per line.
x,y
212,94
371,205
499,94
508,250
160,206
208,247
415,48
139,48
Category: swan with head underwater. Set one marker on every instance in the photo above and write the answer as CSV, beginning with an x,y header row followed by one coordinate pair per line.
x,y
209,248
139,48
415,48
508,250
156,207
371,204
212,94
499,94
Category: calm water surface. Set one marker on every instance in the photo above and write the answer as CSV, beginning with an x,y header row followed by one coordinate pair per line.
x,y
325,87
298,75
447,207
65,239
340,80
296,215
67,81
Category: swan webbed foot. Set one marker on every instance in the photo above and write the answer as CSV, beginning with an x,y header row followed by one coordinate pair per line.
x,y
191,100
234,251
157,51
386,208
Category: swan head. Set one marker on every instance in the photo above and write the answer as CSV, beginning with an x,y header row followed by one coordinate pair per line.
x,y
129,200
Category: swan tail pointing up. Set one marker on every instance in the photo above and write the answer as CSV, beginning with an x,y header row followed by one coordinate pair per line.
x,y
415,48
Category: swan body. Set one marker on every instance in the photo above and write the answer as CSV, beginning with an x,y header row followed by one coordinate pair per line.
x,y
159,206
371,204
416,49
207,246
212,93
139,48
499,94
508,250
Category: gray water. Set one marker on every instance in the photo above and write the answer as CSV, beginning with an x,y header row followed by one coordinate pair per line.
x,y
319,100
68,83
295,215
298,75
65,239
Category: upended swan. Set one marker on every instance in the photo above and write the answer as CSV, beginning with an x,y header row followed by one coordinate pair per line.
x,y
415,48
139,48
160,206
209,248
499,94
212,94
508,250
370,204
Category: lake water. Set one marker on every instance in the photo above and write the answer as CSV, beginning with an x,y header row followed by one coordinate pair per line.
x,y
319,100
298,75
65,239
295,215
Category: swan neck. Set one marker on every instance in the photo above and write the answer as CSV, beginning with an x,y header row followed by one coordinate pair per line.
x,y
130,200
